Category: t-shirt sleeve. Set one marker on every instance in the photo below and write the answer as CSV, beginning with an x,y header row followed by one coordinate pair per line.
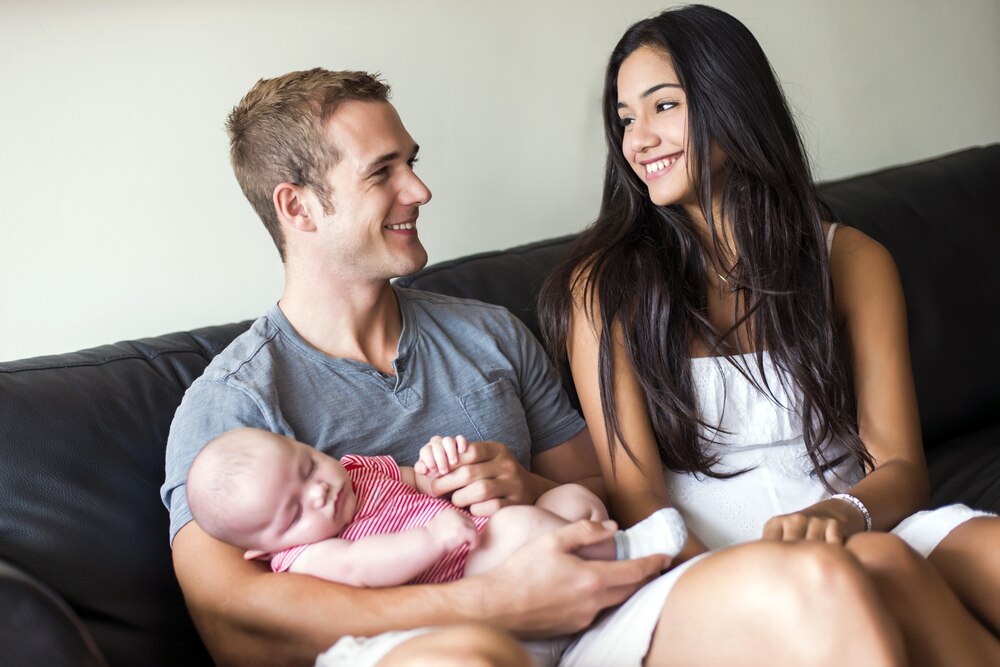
x,y
209,408
551,419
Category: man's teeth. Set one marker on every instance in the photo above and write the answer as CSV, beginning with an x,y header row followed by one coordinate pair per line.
x,y
403,225
654,167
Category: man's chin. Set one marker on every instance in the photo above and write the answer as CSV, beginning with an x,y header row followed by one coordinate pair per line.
x,y
412,266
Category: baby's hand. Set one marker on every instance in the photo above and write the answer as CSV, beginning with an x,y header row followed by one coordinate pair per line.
x,y
440,455
452,529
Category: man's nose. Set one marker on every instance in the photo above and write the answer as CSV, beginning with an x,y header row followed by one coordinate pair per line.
x,y
415,193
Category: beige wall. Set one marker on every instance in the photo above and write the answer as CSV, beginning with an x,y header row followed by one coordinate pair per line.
x,y
121,218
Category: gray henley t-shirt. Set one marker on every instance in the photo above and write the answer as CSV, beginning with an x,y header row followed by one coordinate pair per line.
x,y
462,368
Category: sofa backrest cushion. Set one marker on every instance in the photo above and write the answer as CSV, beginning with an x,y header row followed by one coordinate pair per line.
x,y
940,220
81,463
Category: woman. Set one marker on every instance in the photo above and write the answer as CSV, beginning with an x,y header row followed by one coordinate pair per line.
x,y
744,361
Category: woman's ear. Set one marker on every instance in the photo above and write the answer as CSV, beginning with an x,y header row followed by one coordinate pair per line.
x,y
256,554
291,206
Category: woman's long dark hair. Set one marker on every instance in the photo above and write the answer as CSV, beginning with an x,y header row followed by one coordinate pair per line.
x,y
642,267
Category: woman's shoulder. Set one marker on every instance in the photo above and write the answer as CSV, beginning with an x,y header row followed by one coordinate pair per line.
x,y
859,266
851,249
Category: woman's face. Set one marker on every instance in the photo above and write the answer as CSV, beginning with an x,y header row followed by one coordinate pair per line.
x,y
652,108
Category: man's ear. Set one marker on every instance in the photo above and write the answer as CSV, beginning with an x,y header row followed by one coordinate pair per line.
x,y
256,554
290,205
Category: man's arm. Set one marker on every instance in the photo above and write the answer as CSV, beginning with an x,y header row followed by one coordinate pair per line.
x,y
249,616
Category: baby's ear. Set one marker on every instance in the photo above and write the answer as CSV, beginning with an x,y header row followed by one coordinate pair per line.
x,y
256,554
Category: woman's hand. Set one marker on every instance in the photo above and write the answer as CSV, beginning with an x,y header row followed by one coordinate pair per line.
x,y
831,521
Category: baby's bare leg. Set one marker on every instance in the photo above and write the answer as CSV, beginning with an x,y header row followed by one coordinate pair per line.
x,y
512,527
573,502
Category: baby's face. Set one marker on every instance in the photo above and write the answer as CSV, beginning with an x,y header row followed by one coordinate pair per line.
x,y
307,493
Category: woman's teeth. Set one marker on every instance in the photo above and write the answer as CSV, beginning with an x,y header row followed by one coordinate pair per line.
x,y
659,165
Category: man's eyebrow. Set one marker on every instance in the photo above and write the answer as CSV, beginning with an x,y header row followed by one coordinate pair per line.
x,y
651,91
389,157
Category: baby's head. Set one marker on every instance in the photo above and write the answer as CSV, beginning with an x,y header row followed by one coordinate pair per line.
x,y
264,492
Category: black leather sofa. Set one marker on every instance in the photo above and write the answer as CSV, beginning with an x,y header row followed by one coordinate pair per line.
x,y
85,570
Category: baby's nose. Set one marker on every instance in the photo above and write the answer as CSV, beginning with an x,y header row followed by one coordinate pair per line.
x,y
320,491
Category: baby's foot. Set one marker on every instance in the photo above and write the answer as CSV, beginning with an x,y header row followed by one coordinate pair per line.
x,y
662,532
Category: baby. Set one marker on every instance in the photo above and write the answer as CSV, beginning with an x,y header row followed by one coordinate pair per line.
x,y
365,521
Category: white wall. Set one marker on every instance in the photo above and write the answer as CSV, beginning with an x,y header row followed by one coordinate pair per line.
x,y
121,219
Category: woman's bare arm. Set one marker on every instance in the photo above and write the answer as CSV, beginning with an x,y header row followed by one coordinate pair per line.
x,y
635,488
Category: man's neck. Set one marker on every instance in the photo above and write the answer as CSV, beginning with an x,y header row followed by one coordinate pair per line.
x,y
352,321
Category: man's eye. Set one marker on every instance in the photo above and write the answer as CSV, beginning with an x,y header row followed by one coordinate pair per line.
x,y
412,161
381,173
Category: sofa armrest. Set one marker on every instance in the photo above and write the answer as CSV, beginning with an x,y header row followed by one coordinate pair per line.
x,y
39,628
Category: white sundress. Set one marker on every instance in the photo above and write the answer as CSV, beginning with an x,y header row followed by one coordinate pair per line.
x,y
763,435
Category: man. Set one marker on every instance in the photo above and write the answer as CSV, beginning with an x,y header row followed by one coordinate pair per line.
x,y
348,363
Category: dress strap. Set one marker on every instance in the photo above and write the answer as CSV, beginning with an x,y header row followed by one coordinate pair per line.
x,y
829,237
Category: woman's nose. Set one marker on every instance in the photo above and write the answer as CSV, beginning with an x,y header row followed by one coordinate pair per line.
x,y
641,137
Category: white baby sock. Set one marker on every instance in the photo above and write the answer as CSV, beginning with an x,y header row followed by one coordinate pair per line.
x,y
662,532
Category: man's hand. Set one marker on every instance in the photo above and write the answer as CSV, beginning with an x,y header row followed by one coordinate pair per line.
x,y
544,589
487,477
452,529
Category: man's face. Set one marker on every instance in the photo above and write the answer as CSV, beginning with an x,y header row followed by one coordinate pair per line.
x,y
372,232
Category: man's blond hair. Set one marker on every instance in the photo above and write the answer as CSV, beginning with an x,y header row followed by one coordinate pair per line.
x,y
276,134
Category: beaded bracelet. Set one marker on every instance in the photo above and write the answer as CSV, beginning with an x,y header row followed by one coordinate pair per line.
x,y
854,500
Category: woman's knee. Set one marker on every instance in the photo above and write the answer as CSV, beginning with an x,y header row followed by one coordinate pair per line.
x,y
820,590
884,553
794,578
805,568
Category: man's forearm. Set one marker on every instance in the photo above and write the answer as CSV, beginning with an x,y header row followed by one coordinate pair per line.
x,y
247,615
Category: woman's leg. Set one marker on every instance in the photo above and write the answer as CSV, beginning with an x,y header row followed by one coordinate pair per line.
x,y
936,627
804,604
969,560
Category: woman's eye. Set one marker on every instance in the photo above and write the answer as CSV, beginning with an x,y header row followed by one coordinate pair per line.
x,y
665,106
625,122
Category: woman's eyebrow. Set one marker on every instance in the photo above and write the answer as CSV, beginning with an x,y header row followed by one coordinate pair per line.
x,y
651,91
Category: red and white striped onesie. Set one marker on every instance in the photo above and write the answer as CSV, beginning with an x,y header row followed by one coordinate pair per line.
x,y
386,504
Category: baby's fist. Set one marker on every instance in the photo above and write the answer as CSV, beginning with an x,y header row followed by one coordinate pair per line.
x,y
452,529
440,455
